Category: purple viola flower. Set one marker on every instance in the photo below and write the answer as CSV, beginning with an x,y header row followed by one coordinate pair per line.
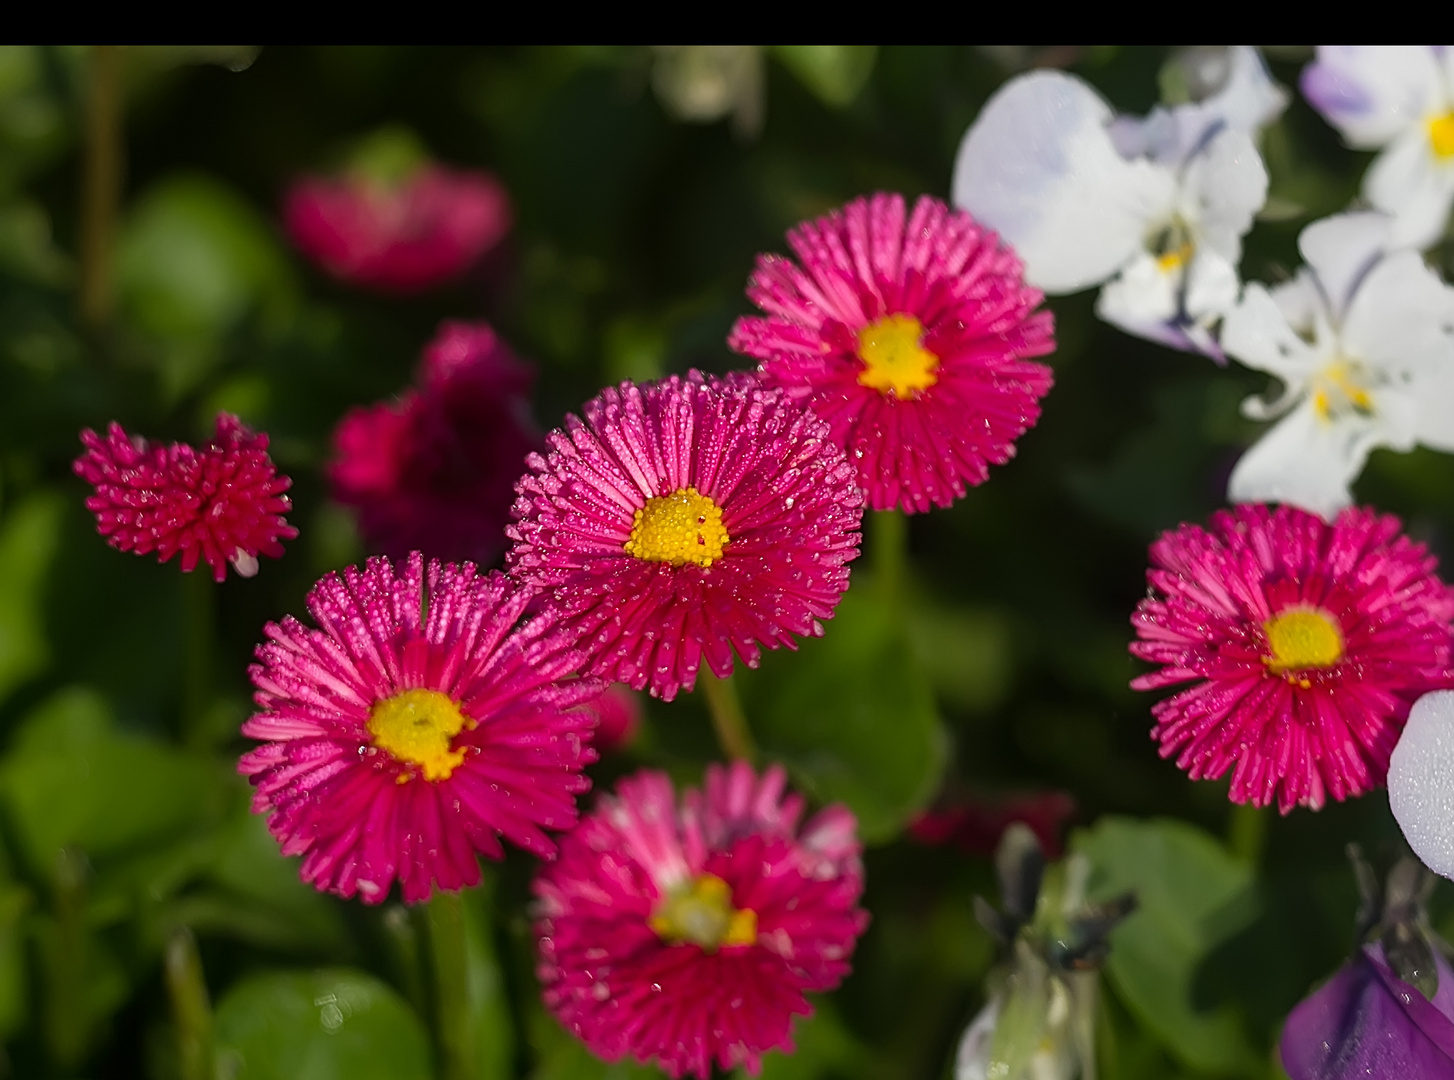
x,y
1367,1022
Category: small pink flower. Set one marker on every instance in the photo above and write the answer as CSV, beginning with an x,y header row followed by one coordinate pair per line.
x,y
689,933
436,470
1307,642
683,519
415,728
223,503
426,231
911,338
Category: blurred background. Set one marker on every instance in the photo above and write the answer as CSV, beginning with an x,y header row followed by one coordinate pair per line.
x,y
146,277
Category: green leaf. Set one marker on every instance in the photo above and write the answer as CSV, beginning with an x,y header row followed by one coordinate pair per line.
x,y
193,261
72,780
853,715
28,540
834,73
15,900
1192,896
332,1024
489,1008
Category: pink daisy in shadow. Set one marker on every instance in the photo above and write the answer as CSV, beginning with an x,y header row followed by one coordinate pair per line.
x,y
910,337
222,504
683,519
689,933
415,728
398,238
1307,643
435,471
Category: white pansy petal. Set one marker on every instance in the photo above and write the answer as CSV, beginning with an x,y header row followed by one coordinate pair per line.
x,y
1415,188
1433,392
1038,167
1371,93
1212,286
1249,99
1300,302
1142,293
1420,793
1304,461
1223,188
1401,318
1257,333
1341,249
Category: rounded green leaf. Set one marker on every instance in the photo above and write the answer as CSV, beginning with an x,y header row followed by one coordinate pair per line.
x,y
333,1024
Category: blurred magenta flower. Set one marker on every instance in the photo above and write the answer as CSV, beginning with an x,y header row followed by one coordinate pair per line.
x,y
689,932
1307,642
423,231
223,503
975,823
685,518
909,334
618,718
435,471
415,728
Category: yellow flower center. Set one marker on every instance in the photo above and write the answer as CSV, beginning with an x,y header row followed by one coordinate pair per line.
x,y
416,727
1300,638
701,912
680,528
1339,389
1441,135
1171,261
893,359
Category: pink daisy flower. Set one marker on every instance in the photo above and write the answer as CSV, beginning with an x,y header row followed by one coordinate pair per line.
x,y
223,503
690,933
910,338
1307,642
684,519
423,232
415,728
435,471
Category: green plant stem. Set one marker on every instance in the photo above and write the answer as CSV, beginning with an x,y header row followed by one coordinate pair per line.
x,y
451,986
889,542
191,1009
1247,832
728,719
199,597
67,1014
100,183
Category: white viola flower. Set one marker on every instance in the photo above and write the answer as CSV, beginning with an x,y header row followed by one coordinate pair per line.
x,y
1363,342
1399,98
1154,208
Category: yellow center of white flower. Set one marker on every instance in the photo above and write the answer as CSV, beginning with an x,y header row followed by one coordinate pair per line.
x,y
1339,389
680,528
1441,135
1173,246
417,728
893,359
701,912
1301,638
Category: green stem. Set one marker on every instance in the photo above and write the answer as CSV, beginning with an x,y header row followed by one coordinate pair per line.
x,y
199,624
889,544
1247,833
728,719
67,1015
100,183
451,986
191,1009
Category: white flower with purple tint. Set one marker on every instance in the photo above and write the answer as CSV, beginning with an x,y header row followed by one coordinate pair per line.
x,y
1152,208
1363,342
1398,99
